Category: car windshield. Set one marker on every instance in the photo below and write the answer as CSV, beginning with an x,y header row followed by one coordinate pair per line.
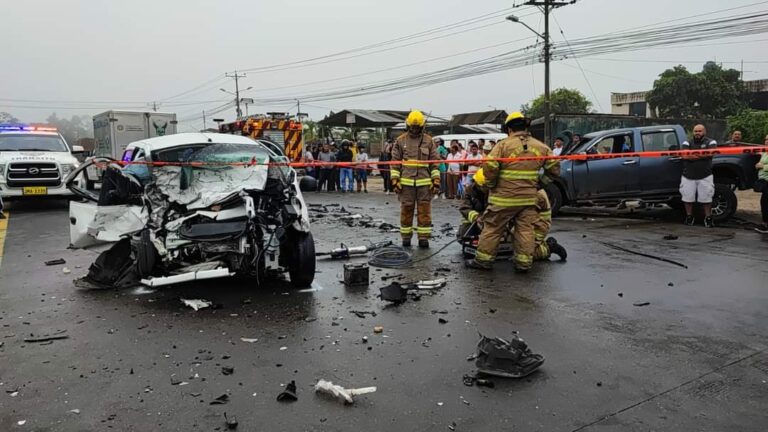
x,y
215,172
30,142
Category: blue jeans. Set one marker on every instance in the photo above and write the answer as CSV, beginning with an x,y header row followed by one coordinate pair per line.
x,y
346,179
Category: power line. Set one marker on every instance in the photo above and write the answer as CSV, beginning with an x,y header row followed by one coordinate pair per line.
x,y
589,84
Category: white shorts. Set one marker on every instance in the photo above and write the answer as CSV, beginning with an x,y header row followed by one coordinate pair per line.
x,y
700,191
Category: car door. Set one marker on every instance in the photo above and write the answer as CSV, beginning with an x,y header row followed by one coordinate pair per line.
x,y
92,224
661,175
607,174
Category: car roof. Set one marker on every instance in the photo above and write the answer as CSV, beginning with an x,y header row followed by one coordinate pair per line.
x,y
180,139
630,129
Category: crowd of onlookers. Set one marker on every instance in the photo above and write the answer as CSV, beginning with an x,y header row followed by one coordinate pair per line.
x,y
458,166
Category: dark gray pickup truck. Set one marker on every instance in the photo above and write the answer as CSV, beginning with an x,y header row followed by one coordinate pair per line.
x,y
615,181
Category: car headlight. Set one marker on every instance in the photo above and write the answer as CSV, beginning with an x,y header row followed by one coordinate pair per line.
x,y
67,168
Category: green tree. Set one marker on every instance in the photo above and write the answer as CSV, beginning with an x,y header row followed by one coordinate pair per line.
x,y
73,128
712,93
752,124
6,117
310,130
562,100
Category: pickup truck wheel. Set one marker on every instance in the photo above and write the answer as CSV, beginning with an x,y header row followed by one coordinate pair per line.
x,y
555,198
301,264
724,203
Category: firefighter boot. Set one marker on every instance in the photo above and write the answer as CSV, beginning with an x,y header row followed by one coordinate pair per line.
x,y
557,249
478,265
423,243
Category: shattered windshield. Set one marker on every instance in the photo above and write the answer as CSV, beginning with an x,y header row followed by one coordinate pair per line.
x,y
213,173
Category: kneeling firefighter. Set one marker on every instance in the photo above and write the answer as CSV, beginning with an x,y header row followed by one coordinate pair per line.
x,y
513,186
415,178
476,201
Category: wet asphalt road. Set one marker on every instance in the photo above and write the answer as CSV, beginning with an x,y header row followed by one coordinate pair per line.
x,y
693,359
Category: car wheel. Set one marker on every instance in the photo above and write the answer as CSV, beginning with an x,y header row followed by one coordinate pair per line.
x,y
724,203
301,265
555,198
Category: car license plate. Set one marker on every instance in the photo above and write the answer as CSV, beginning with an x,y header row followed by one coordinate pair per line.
x,y
35,190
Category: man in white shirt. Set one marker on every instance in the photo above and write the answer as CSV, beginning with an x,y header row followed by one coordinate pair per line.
x,y
558,147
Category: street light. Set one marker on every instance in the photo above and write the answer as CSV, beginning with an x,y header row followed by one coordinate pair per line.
x,y
547,102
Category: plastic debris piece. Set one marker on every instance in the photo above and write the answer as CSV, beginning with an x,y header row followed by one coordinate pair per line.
x,y
58,261
378,329
507,359
45,338
362,314
227,370
439,404
394,292
442,321
21,422
365,339
221,400
75,411
283,348
196,304
289,394
249,340
66,270
641,303
231,422
340,393
485,383
452,426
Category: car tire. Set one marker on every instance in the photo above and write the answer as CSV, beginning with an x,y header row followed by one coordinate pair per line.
x,y
301,264
724,203
555,198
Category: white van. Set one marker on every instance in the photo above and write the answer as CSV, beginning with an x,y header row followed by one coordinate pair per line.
x,y
464,139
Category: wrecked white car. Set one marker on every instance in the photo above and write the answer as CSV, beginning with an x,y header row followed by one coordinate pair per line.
x,y
194,206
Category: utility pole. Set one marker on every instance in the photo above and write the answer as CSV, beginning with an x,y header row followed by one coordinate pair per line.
x,y
154,106
204,124
546,7
236,76
298,108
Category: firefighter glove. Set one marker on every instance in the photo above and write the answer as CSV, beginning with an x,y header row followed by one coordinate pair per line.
x,y
435,189
396,186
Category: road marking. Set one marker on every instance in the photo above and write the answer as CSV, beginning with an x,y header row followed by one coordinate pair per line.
x,y
3,229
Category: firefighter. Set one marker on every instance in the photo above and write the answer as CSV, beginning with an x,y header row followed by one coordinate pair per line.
x,y
476,201
545,246
513,192
413,180
473,205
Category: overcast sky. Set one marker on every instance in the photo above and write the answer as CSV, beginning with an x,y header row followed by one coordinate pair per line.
x,y
99,54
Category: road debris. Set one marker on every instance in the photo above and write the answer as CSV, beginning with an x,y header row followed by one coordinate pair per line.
x,y
641,303
221,400
249,340
670,237
658,258
362,314
66,270
75,411
356,275
340,393
21,422
231,422
378,329
58,261
442,321
507,359
227,370
196,304
289,394
47,337
398,293
470,380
